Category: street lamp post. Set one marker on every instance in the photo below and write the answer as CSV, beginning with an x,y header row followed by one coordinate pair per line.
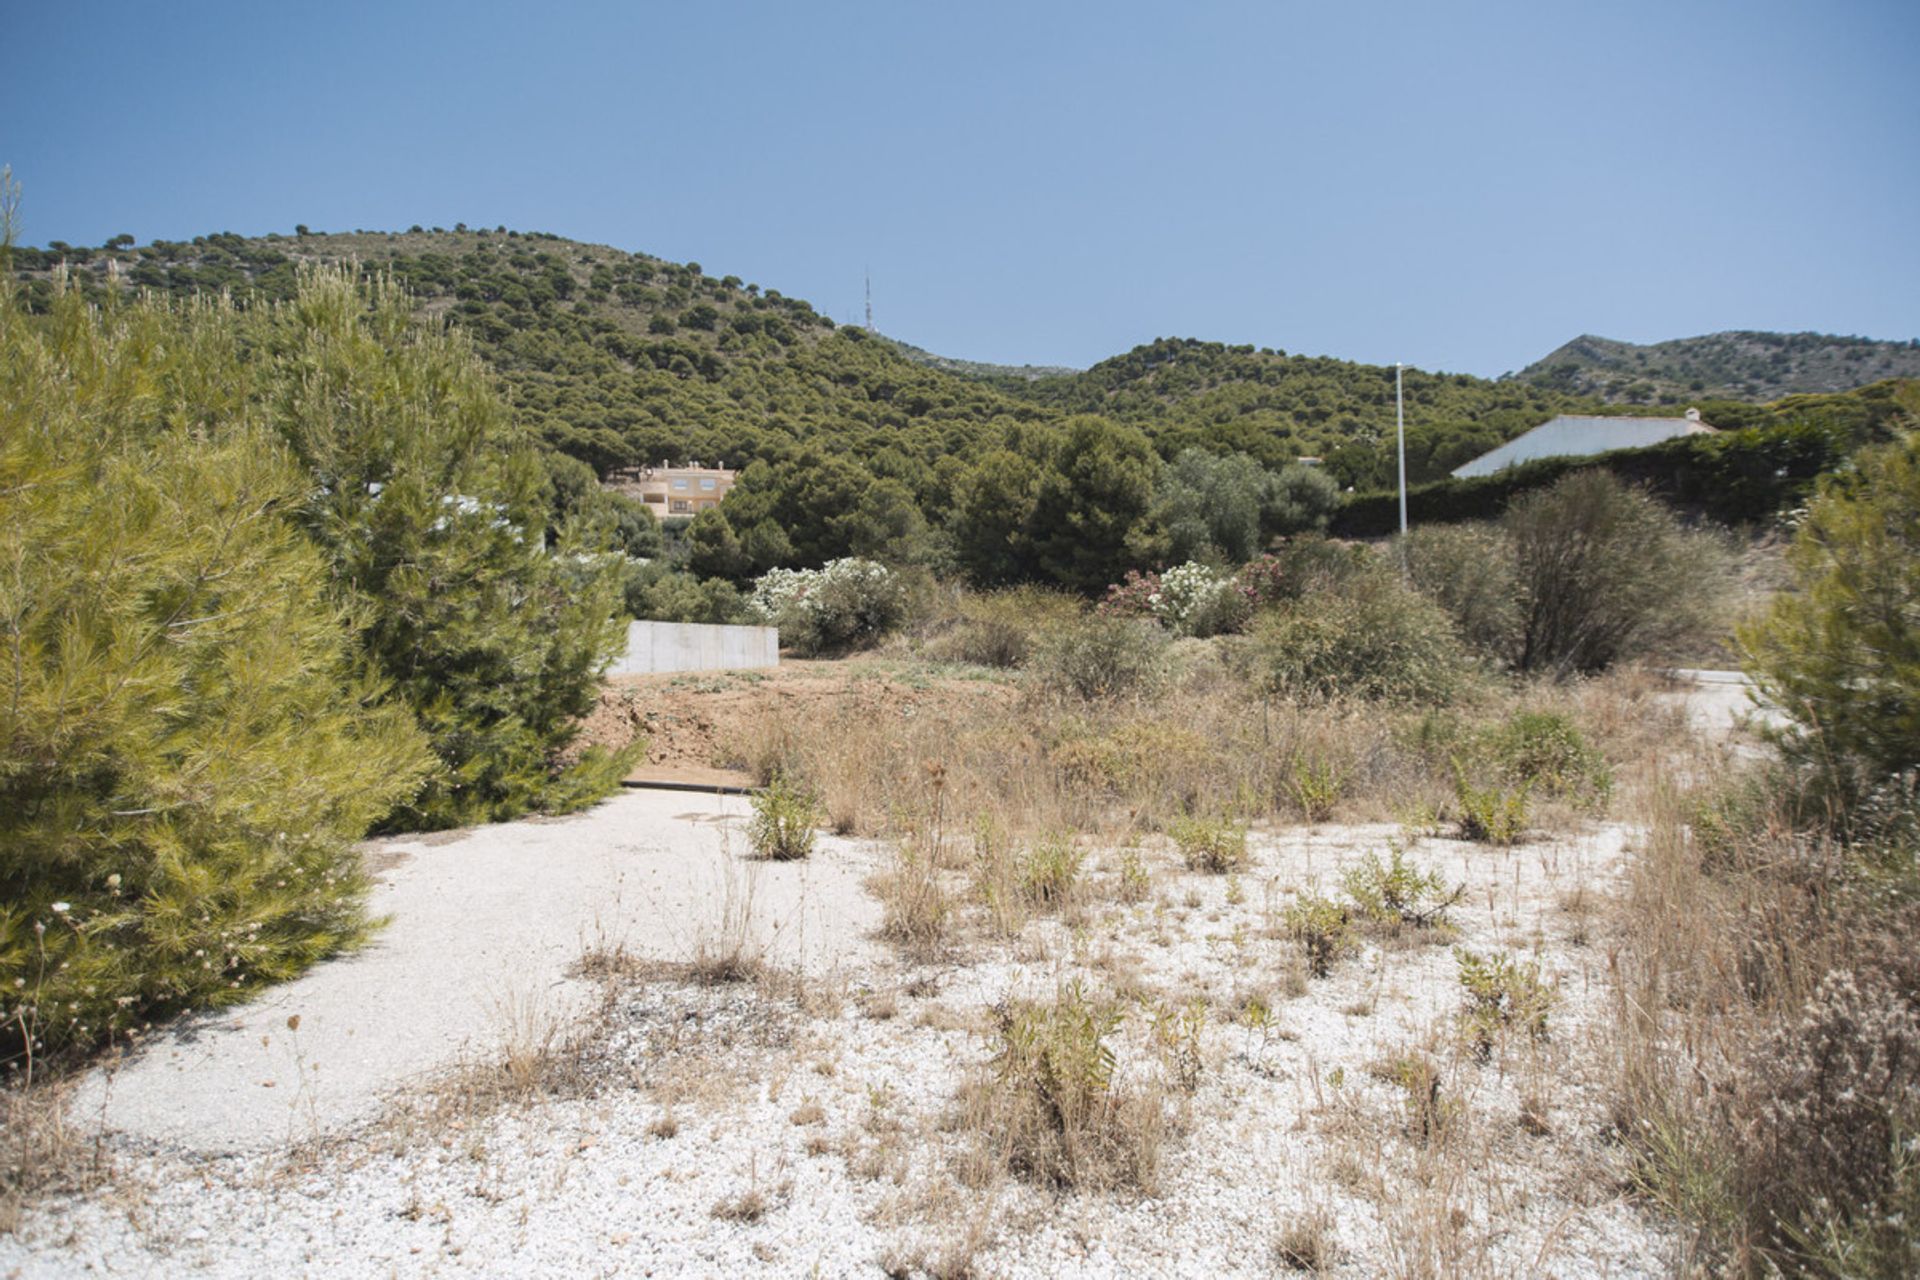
x,y
1400,421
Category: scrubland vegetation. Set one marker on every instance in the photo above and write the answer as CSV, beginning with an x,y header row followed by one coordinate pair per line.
x,y
274,576
267,580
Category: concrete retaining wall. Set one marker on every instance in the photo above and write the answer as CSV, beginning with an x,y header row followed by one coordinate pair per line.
x,y
695,646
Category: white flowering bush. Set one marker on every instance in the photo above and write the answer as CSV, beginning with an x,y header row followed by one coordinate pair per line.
x,y
1194,600
843,604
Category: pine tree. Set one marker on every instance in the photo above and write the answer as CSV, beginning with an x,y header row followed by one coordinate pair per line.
x,y
431,506
188,742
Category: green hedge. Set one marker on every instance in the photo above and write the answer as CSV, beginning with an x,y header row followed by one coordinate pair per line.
x,y
1730,476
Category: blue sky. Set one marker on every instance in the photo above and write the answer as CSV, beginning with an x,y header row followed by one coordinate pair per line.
x,y
1461,186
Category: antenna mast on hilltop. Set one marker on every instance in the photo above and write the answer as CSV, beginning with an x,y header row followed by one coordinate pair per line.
x,y
869,299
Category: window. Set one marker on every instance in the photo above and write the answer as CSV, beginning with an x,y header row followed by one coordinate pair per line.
x,y
655,497
681,483
706,482
681,507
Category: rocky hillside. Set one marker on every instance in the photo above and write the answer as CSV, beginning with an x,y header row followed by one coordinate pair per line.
x,y
1737,365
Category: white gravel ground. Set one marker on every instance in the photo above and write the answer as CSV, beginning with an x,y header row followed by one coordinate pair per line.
x,y
833,1100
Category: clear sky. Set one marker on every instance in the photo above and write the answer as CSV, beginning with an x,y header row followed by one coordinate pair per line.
x,y
1459,185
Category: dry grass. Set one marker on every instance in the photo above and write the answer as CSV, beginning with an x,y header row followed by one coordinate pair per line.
x,y
1027,765
733,947
43,1150
1053,1106
1305,1243
1767,1036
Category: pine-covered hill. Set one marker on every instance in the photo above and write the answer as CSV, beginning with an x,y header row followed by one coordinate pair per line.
x,y
1279,407
613,357
1738,365
618,357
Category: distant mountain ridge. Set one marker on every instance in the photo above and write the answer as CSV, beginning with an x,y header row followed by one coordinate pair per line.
x,y
1740,364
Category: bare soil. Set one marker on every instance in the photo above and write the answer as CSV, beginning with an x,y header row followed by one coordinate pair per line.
x,y
692,721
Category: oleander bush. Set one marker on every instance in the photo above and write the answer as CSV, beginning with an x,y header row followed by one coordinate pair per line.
x,y
845,604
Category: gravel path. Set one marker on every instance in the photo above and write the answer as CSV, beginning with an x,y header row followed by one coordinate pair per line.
x,y
485,927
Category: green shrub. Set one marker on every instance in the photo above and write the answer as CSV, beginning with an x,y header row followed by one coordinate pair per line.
x,y
1489,812
1501,995
784,817
654,593
1311,565
1324,929
1607,574
1102,657
188,744
1840,653
1374,639
1545,751
1212,845
1003,628
1397,892
1469,571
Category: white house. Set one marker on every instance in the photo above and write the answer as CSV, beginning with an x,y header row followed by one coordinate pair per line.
x,y
1571,436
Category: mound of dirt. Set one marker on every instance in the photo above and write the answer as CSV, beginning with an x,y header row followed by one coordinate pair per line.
x,y
693,721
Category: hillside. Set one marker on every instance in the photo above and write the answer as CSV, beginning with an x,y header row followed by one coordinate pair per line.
x,y
1738,365
613,357
1278,407
618,357
976,368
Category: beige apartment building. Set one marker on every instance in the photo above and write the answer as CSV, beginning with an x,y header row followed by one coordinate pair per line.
x,y
674,491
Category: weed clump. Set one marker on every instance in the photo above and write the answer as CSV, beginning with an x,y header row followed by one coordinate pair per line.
x,y
1049,868
1213,845
1546,751
784,817
1324,928
1305,1244
1501,995
1397,892
915,906
1490,812
1316,782
1050,1109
